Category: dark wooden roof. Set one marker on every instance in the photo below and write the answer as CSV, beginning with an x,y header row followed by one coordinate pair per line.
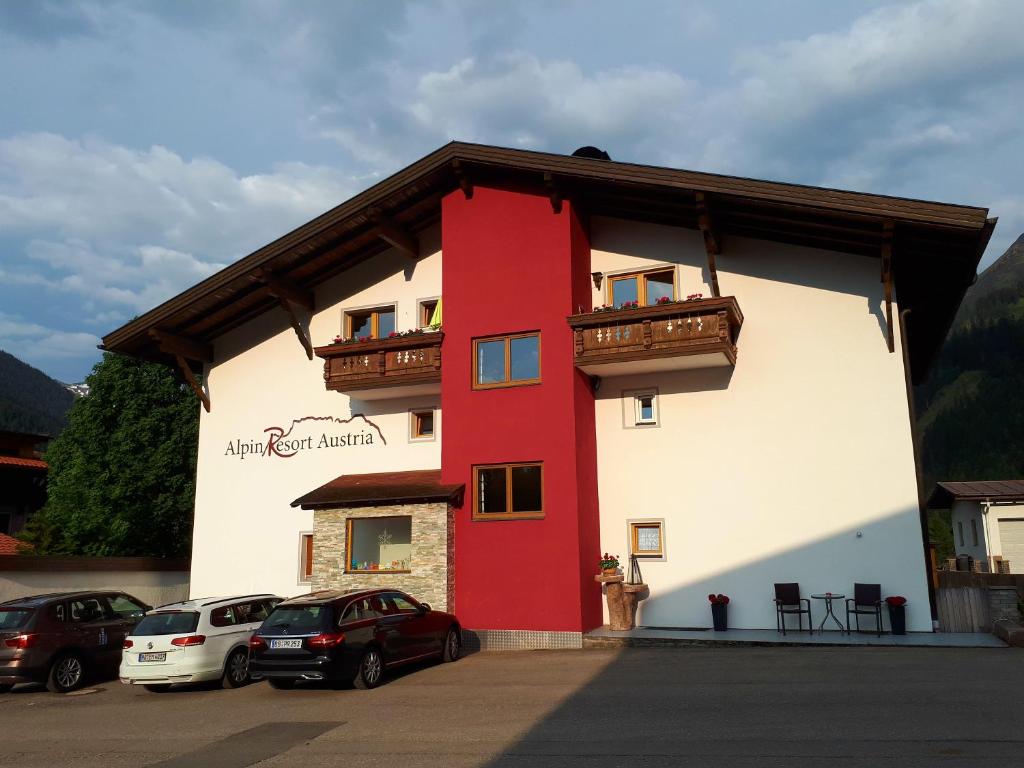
x,y
978,490
936,246
381,488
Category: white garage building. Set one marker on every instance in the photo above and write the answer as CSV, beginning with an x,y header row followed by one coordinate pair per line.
x,y
988,520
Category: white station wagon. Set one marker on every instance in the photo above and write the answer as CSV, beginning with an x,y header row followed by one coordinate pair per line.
x,y
194,641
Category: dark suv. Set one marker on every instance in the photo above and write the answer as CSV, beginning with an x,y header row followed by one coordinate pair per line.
x,y
62,638
349,637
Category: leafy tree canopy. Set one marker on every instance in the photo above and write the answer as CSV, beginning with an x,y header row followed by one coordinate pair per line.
x,y
122,474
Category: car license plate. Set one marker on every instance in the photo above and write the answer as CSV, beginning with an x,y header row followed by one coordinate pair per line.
x,y
161,656
286,643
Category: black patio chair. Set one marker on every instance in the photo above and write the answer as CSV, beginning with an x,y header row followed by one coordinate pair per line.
x,y
788,601
866,601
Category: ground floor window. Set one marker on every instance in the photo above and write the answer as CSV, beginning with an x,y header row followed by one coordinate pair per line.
x,y
508,491
305,558
647,538
378,544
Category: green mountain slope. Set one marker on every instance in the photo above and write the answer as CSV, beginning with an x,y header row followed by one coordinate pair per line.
x,y
971,410
30,401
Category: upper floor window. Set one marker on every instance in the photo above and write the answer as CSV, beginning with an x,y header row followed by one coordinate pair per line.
x,y
375,323
429,317
640,408
644,288
506,361
502,491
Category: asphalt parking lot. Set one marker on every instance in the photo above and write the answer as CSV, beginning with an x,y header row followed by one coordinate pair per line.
x,y
634,707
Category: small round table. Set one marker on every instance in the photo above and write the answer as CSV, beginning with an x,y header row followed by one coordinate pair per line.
x,y
828,597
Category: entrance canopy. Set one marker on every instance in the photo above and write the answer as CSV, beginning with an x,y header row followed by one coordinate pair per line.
x,y
381,488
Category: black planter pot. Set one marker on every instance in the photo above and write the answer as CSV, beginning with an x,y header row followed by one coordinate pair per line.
x,y
719,615
898,619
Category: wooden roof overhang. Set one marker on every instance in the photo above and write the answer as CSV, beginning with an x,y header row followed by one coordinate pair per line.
x,y
931,249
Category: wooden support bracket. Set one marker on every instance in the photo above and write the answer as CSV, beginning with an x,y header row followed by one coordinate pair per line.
x,y
887,234
183,349
553,193
712,239
395,234
290,295
464,183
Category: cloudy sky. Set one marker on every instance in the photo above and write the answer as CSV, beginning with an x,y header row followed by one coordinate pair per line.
x,y
144,145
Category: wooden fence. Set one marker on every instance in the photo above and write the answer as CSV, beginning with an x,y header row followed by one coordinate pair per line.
x,y
964,602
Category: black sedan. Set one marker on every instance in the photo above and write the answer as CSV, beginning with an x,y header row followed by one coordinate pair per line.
x,y
349,637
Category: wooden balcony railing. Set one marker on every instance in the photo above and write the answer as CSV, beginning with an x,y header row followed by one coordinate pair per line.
x,y
377,363
690,334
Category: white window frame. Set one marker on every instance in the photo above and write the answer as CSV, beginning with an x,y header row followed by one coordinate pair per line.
x,y
646,521
302,557
412,424
631,408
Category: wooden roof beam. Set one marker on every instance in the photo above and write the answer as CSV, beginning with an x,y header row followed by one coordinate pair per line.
x,y
393,233
553,192
290,295
463,178
887,232
712,238
183,349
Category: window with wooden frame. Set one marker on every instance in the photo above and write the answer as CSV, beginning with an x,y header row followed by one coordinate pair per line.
x,y
645,288
508,491
506,361
378,544
647,538
305,558
375,323
425,313
421,424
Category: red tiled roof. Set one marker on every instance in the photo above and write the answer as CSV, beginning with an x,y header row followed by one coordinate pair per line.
x,y
976,490
10,545
380,488
17,461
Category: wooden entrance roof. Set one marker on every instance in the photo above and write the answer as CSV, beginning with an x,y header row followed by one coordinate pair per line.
x,y
935,247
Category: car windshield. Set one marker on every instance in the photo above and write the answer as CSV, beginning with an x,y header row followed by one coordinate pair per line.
x,y
167,623
13,618
296,619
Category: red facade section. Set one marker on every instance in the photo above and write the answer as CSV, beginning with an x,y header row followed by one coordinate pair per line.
x,y
511,265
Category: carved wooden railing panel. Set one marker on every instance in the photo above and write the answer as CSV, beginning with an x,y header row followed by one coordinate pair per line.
x,y
701,326
382,362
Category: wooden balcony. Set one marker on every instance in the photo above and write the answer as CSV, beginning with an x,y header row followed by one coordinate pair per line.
x,y
378,369
667,337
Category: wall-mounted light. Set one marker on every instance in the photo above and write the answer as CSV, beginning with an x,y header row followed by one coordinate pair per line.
x,y
598,277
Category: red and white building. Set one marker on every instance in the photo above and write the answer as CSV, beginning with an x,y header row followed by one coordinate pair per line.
x,y
747,422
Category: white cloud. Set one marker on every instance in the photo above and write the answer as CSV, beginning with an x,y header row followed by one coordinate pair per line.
x,y
37,343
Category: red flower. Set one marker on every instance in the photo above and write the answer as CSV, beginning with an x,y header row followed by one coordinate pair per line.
x,y
718,599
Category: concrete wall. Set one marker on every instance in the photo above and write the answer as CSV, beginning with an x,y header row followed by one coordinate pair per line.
x,y
152,587
797,465
246,535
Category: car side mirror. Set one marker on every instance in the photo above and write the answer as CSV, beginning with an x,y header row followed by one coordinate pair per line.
x,y
424,608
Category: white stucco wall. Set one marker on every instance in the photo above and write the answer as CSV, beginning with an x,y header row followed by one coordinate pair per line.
x,y
246,536
961,515
796,466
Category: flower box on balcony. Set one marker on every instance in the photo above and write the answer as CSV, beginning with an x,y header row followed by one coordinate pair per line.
x,y
700,333
382,368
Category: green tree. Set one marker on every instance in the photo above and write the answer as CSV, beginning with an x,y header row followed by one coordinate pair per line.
x,y
122,474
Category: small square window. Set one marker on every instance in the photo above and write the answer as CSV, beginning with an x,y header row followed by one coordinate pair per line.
x,y
646,538
640,408
429,316
421,424
378,544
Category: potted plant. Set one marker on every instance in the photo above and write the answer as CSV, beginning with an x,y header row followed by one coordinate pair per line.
x,y
719,611
897,614
609,564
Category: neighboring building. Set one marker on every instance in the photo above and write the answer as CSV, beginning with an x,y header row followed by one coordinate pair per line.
x,y
22,479
987,519
746,423
11,546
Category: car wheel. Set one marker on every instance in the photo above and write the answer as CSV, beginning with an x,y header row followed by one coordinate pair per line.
x,y
157,688
66,673
281,683
452,646
236,671
371,669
